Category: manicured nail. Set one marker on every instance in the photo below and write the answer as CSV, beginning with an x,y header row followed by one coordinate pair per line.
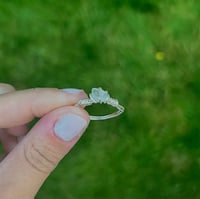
x,y
69,127
72,90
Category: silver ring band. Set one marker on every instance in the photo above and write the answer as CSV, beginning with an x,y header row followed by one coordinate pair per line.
x,y
98,95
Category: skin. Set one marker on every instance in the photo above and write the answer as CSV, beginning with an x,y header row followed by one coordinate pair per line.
x,y
31,155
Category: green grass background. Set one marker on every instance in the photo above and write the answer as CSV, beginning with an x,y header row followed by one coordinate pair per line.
x,y
152,150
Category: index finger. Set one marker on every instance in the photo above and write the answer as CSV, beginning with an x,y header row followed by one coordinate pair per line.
x,y
20,107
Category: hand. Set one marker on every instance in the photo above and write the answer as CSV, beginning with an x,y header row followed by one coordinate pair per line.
x,y
30,157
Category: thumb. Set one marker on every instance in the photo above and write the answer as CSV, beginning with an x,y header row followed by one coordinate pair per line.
x,y
26,167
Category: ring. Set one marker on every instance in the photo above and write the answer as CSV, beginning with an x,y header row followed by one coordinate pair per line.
x,y
98,95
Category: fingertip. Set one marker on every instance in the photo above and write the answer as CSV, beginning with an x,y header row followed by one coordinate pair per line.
x,y
63,125
74,91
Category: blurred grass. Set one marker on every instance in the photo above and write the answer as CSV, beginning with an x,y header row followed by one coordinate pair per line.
x,y
146,54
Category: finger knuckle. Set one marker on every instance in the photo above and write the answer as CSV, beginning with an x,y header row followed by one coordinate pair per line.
x,y
40,158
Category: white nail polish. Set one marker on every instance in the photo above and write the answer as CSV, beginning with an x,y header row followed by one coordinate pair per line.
x,y
72,90
69,127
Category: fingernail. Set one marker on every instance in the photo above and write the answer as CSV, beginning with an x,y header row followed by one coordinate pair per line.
x,y
72,90
69,127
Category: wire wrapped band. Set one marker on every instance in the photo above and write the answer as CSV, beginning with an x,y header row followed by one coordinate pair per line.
x,y
98,95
